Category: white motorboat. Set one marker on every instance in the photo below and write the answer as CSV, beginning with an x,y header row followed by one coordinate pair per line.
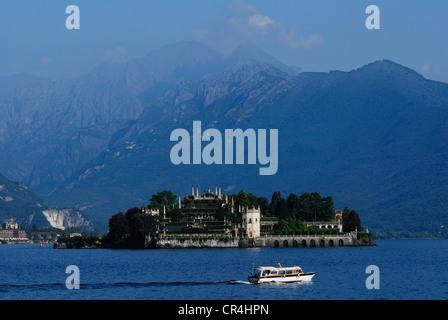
x,y
279,274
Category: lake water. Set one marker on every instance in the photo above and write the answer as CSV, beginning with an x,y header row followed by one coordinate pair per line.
x,y
409,269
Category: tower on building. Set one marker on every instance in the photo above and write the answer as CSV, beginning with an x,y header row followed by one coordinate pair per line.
x,y
251,222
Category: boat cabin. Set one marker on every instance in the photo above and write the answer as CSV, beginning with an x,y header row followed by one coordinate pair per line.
x,y
276,272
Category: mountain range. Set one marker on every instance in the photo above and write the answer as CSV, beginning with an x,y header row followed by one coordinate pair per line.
x,y
18,204
373,138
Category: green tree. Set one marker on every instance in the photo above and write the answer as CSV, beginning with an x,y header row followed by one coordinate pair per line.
x,y
301,227
140,226
129,230
131,212
252,200
282,210
311,206
164,198
292,201
351,220
263,204
316,205
276,197
242,199
283,225
327,213
119,231
305,210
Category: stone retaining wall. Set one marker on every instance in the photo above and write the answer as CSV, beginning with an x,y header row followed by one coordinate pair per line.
x,y
271,241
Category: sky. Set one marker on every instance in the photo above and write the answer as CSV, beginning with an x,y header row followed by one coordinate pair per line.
x,y
315,35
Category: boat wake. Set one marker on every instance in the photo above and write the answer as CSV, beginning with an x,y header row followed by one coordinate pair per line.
x,y
241,282
49,286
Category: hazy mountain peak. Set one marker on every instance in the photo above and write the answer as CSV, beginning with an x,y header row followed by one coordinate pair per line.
x,y
188,51
388,67
249,52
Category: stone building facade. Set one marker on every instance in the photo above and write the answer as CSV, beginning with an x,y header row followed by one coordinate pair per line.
x,y
251,222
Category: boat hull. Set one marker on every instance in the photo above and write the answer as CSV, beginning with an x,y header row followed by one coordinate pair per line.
x,y
282,279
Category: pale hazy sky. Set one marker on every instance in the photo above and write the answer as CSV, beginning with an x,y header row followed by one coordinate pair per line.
x,y
316,35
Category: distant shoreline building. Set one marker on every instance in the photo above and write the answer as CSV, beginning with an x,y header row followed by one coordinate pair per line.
x,y
13,235
9,225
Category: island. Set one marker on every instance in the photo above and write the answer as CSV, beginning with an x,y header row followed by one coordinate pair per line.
x,y
243,220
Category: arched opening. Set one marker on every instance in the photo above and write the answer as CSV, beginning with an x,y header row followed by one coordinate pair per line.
x,y
276,244
294,243
313,243
331,243
341,243
285,244
322,243
304,243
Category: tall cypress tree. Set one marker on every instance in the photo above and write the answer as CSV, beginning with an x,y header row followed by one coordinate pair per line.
x,y
282,211
305,210
327,209
293,203
276,197
351,220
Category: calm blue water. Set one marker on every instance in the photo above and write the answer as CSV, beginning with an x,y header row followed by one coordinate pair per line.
x,y
409,269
